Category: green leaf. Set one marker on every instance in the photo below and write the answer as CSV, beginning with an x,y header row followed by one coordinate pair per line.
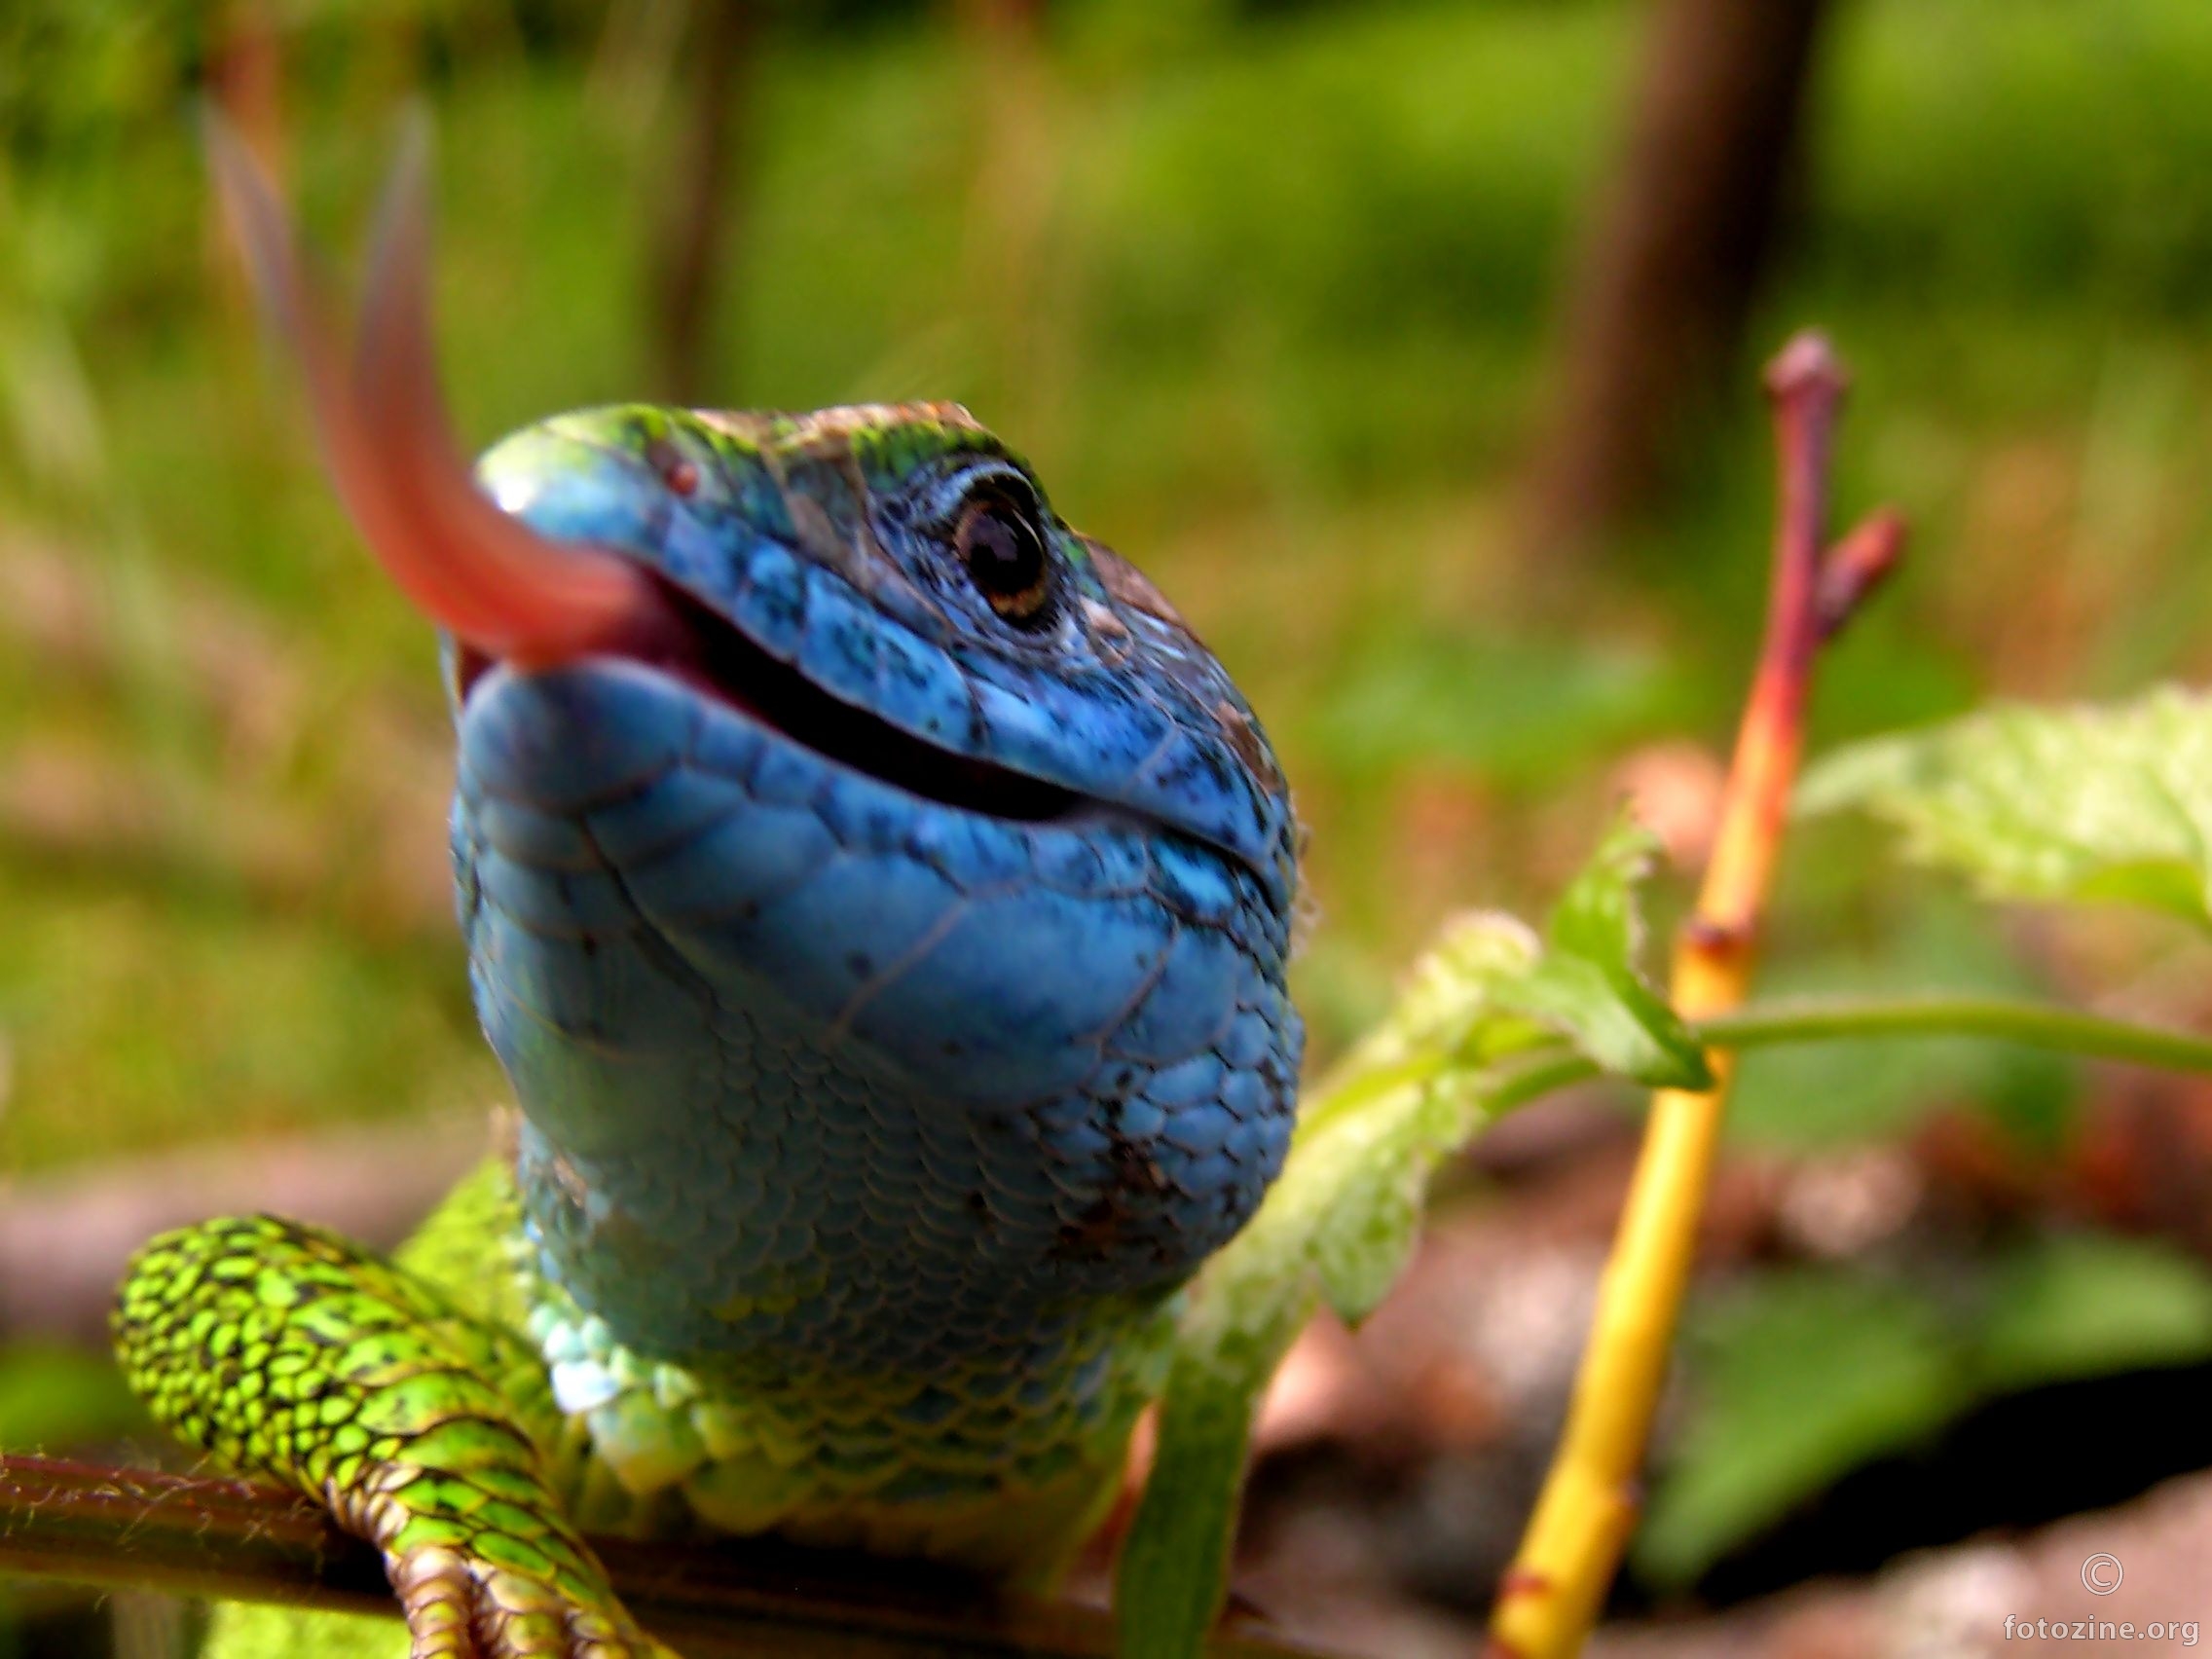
x,y
1340,1224
1799,1378
1489,987
2085,1305
2074,804
1587,987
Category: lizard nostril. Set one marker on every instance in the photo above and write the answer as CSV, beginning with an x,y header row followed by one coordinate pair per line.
x,y
678,476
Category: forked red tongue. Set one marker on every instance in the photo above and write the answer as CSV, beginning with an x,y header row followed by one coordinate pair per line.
x,y
481,574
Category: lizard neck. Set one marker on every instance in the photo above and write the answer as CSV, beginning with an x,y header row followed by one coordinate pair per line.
x,y
770,1192
1035,1098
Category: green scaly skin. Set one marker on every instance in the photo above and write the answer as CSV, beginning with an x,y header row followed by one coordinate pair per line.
x,y
411,1397
424,1422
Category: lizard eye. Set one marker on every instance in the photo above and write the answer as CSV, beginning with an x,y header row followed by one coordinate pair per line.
x,y
998,543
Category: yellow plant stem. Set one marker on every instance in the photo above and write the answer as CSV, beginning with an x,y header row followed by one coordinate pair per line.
x,y
1588,1505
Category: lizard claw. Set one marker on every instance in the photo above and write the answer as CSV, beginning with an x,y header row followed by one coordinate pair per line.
x,y
461,1609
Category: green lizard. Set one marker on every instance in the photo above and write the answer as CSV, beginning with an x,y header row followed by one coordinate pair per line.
x,y
879,901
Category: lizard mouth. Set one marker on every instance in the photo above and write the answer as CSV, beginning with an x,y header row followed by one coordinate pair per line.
x,y
508,595
684,639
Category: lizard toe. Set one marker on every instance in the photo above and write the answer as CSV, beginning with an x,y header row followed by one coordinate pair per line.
x,y
462,1609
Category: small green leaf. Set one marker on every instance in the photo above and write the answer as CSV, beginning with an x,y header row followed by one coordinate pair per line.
x,y
2077,803
1587,986
1340,1224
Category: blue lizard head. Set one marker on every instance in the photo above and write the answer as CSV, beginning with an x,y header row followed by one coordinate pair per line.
x,y
895,572
916,826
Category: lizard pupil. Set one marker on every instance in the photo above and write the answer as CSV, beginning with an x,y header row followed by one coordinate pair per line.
x,y
1004,556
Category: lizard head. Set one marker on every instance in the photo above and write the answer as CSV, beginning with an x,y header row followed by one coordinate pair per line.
x,y
886,592
826,731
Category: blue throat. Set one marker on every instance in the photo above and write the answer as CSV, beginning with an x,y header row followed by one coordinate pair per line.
x,y
870,1057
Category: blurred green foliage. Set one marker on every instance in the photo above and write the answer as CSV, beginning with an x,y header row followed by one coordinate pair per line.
x,y
74,1397
2130,826
1802,1376
1855,1093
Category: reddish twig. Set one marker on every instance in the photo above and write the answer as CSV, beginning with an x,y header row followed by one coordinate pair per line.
x,y
1855,567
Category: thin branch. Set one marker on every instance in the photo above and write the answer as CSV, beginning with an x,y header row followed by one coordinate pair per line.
x,y
134,1529
1550,1595
2034,1025
1537,1072
232,1540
